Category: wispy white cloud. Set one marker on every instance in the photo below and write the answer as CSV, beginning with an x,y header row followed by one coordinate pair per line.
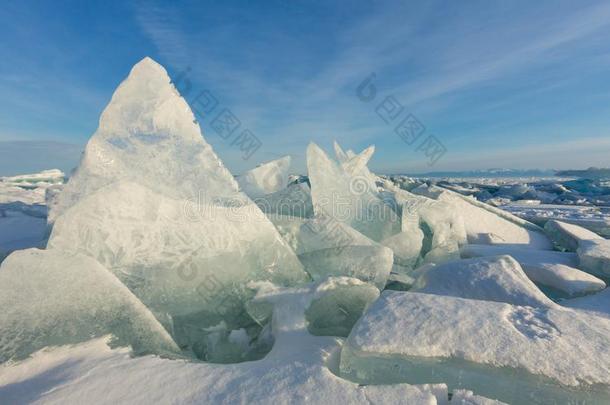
x,y
461,53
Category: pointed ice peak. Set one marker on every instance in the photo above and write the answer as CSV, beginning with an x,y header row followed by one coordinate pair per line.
x,y
344,156
148,68
146,102
148,63
317,156
148,134
339,152
356,164
149,74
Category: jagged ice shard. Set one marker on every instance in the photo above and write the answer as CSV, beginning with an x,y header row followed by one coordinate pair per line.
x,y
53,298
338,190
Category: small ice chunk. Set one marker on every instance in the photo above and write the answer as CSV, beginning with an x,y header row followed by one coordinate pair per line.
x,y
368,263
568,236
447,225
267,178
486,239
498,278
594,256
400,279
443,229
51,298
466,397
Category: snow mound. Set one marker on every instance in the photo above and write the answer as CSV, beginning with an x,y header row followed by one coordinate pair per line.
x,y
299,369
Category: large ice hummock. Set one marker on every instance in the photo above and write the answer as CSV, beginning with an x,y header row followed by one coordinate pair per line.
x,y
153,204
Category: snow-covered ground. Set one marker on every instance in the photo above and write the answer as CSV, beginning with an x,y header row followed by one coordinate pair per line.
x,y
163,279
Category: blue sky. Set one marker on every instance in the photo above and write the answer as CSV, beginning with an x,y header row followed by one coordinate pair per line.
x,y
515,84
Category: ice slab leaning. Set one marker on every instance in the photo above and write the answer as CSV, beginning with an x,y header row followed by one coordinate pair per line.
x,y
51,298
